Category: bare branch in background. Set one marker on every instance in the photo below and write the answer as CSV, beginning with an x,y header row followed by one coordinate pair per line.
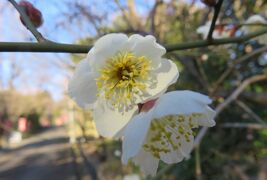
x,y
124,14
217,9
229,100
244,125
72,48
153,16
231,67
260,98
250,112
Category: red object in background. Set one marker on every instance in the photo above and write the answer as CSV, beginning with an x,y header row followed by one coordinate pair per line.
x,y
34,14
22,124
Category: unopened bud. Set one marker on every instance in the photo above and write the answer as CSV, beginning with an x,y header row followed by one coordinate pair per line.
x,y
210,2
33,13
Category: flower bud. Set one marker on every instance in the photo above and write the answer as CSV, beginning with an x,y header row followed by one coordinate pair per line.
x,y
210,2
33,13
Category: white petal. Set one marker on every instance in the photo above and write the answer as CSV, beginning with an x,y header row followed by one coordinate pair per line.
x,y
147,162
109,122
255,19
167,74
148,47
181,102
134,135
172,157
106,47
207,119
187,147
203,30
82,87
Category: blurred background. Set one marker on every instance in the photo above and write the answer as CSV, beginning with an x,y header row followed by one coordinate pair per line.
x,y
44,134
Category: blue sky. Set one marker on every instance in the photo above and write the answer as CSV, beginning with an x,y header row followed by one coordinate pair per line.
x,y
44,71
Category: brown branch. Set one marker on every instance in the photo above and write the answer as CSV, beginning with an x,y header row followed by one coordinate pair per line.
x,y
124,14
217,9
231,67
153,15
244,125
250,112
72,48
230,99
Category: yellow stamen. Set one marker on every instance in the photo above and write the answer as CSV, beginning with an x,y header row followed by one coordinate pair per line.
x,y
123,78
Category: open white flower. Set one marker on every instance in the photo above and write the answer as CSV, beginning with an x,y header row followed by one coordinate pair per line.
x,y
255,19
165,131
118,73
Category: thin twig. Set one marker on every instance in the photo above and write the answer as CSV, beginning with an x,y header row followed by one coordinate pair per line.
x,y
124,14
72,48
198,164
229,69
250,112
39,37
230,99
244,125
217,9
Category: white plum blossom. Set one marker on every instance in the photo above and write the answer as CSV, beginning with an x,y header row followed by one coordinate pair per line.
x,y
164,129
255,19
118,73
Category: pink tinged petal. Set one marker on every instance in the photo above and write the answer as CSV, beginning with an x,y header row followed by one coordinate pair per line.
x,y
148,47
82,87
105,48
147,162
134,135
109,122
147,105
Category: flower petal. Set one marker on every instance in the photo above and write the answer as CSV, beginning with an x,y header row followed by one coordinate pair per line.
x,y
134,135
82,87
147,162
110,122
106,47
148,47
181,102
187,146
172,157
167,74
207,119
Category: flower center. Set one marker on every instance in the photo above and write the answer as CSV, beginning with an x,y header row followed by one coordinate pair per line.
x,y
169,133
123,79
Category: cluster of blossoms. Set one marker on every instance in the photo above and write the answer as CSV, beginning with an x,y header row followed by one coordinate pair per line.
x,y
123,80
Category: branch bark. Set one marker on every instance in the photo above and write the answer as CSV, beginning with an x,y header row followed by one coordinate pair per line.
x,y
230,99
244,125
229,69
217,9
72,48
